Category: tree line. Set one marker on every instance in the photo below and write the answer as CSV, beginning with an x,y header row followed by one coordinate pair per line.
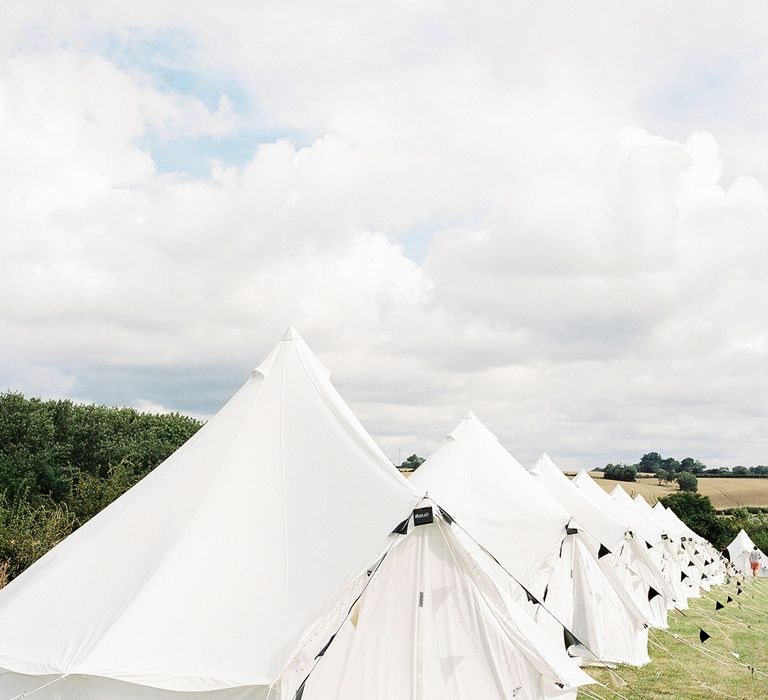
x,y
62,462
684,472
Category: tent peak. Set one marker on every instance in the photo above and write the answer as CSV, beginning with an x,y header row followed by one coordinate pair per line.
x,y
291,334
284,345
544,459
471,424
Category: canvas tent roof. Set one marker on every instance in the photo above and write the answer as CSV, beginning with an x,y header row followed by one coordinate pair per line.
x,y
601,525
672,517
205,574
586,484
638,517
669,526
492,496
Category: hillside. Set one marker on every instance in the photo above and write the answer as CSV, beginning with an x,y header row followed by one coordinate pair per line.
x,y
724,492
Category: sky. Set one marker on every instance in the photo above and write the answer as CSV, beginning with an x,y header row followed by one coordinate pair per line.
x,y
554,214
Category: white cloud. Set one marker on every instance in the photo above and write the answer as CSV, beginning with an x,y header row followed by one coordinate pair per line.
x,y
595,229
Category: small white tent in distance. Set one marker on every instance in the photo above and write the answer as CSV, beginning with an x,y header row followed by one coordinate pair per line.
x,y
740,550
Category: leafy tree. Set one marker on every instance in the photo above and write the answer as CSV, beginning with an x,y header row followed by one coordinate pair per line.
x,y
663,476
30,457
687,482
620,472
740,471
413,462
671,464
28,531
649,462
694,466
698,513
60,463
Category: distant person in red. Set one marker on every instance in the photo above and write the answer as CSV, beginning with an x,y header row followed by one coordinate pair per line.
x,y
754,560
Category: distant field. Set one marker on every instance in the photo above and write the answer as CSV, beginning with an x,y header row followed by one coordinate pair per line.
x,y
724,492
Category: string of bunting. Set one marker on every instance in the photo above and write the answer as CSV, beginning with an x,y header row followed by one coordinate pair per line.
x,y
569,638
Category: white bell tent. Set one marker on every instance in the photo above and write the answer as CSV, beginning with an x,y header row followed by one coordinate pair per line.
x,y
740,550
432,618
621,556
502,507
218,576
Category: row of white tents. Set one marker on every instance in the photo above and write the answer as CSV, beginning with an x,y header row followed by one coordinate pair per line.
x,y
279,554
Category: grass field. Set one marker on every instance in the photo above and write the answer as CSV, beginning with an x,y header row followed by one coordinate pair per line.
x,y
724,492
681,674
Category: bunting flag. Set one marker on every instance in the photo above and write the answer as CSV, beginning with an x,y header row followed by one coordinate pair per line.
x,y
570,639
703,636
325,648
718,605
652,593
603,551
683,576
730,600
531,598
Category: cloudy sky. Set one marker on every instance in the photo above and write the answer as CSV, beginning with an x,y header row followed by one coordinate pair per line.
x,y
555,213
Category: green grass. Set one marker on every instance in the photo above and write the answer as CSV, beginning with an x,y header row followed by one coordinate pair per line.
x,y
666,678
